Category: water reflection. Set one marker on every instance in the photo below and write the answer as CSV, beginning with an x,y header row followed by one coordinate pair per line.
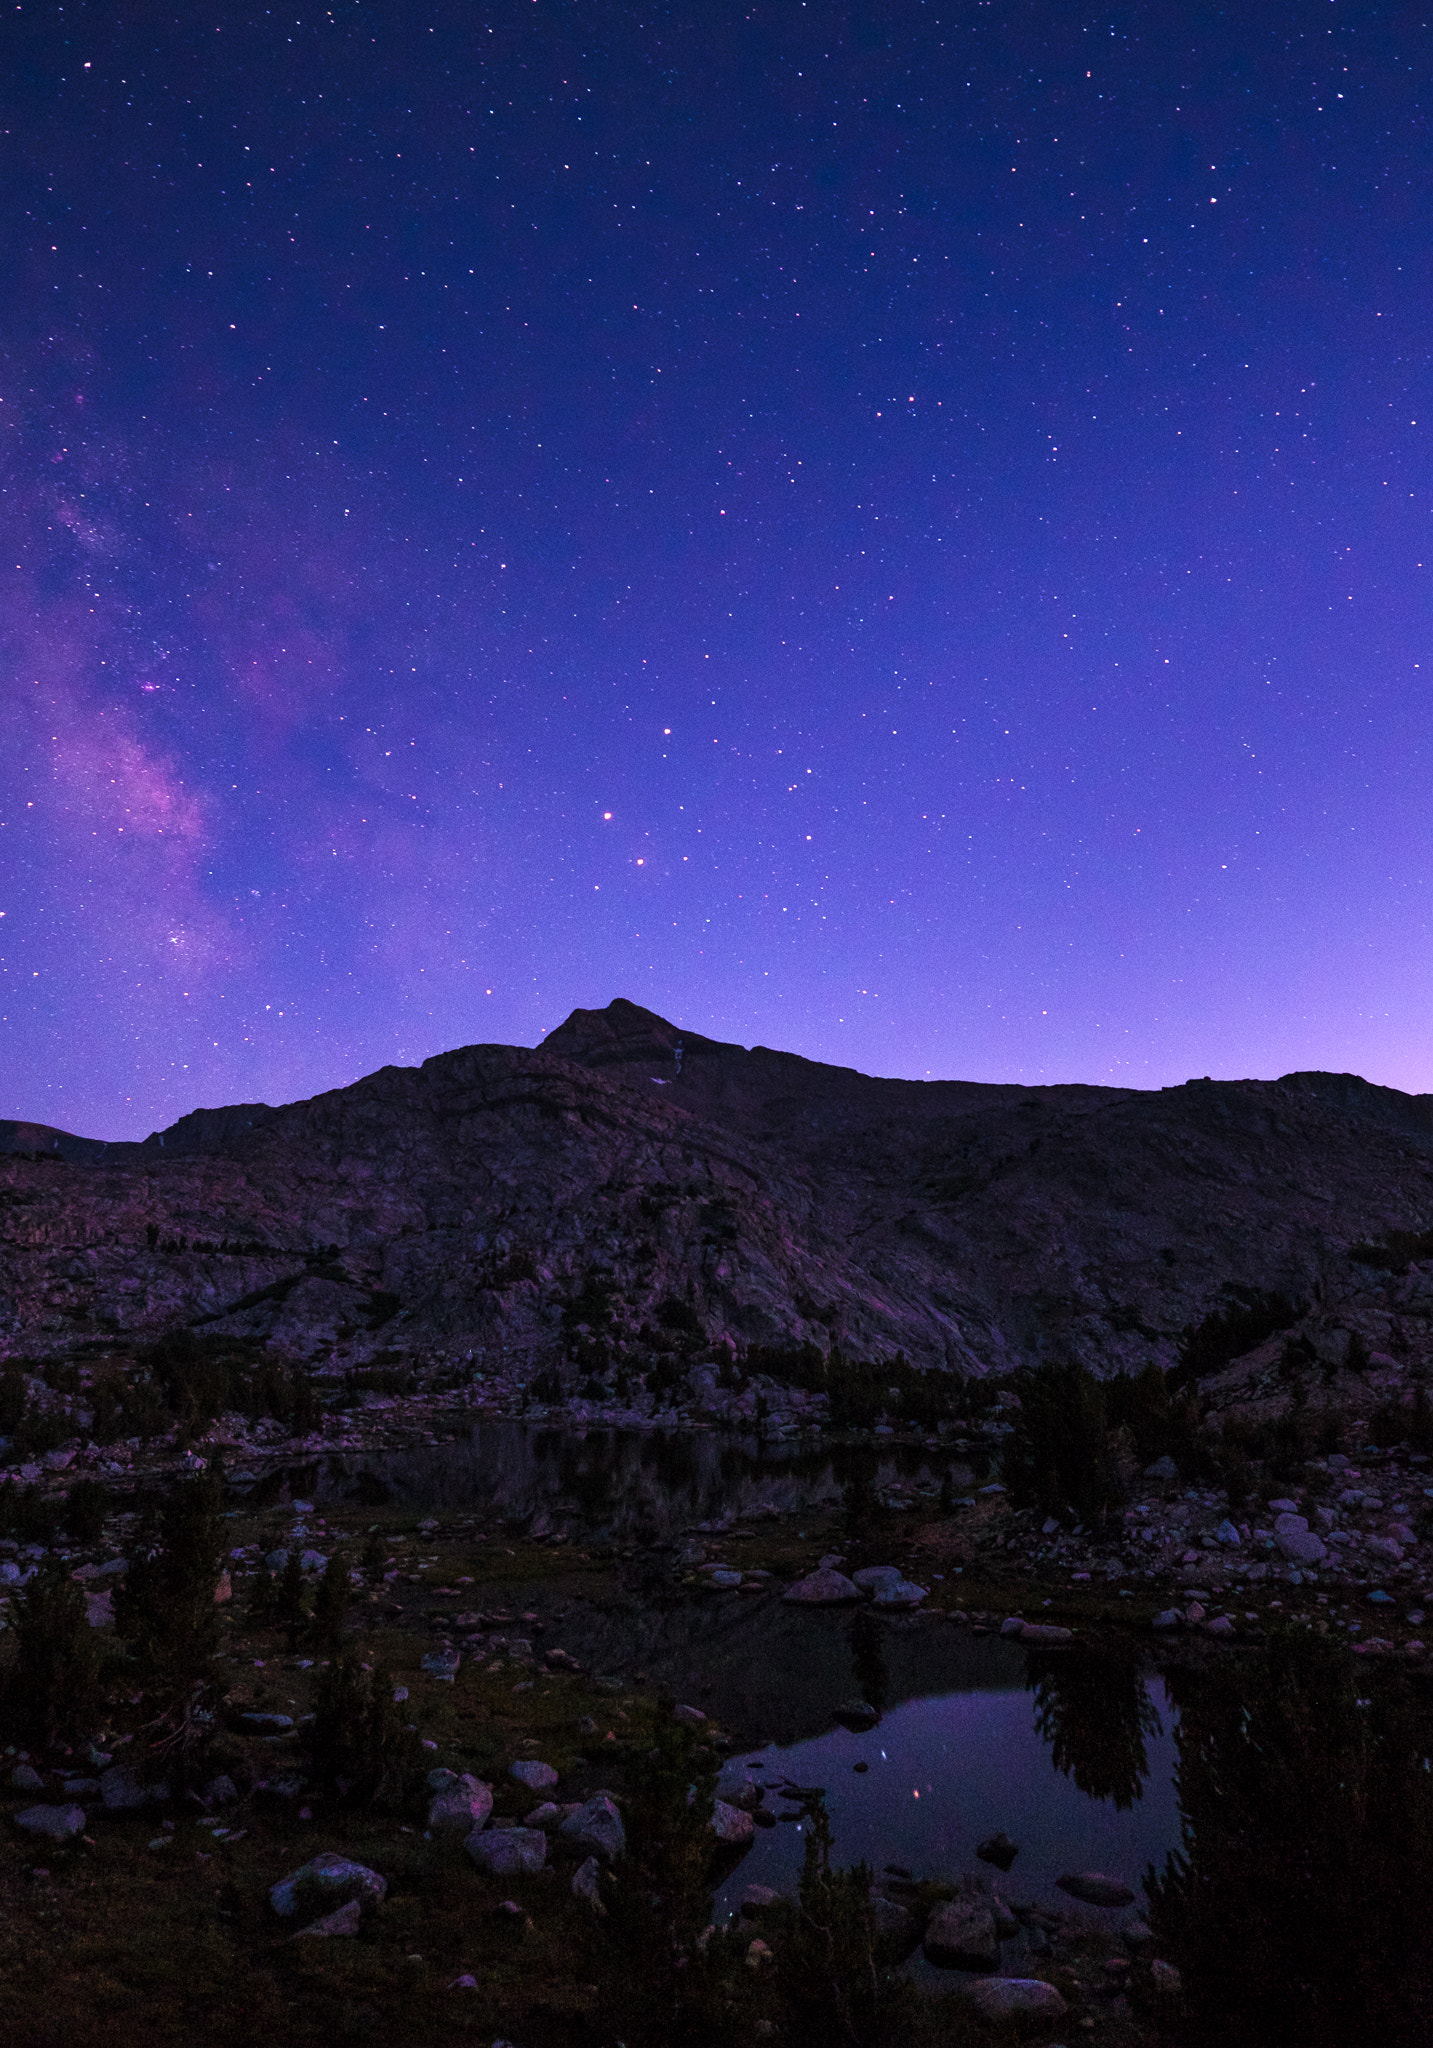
x,y
1095,1711
629,1486
865,1633
1300,1904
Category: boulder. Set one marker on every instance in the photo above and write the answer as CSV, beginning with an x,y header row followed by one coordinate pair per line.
x,y
587,1884
1095,1889
1017,1998
1046,1632
888,1587
1169,1617
339,1876
60,1823
737,1787
891,1921
536,1776
822,1589
547,1816
597,1826
120,1790
25,1778
961,1936
508,1852
344,1920
857,1715
998,1849
1162,1468
461,1807
1300,1546
732,1828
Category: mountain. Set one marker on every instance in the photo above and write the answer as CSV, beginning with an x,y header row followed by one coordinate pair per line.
x,y
499,1202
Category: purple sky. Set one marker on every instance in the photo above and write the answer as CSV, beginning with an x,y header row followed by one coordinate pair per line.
x,y
895,532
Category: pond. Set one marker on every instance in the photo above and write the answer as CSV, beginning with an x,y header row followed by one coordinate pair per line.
x,y
945,1772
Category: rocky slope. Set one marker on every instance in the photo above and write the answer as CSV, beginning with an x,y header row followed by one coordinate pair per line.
x,y
628,1188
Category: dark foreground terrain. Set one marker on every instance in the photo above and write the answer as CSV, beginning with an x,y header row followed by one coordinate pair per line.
x,y
483,1416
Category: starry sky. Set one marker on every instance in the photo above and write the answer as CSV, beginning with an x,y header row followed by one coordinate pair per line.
x,y
894,531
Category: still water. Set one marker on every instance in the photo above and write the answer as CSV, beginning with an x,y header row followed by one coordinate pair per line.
x,y
944,1773
603,1484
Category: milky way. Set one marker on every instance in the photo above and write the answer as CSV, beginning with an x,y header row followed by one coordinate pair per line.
x,y
899,533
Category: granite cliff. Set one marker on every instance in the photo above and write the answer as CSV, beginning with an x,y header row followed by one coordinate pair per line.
x,y
629,1187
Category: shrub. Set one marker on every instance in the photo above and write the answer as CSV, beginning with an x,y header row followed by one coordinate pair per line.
x,y
359,1740
165,1608
83,1512
57,1663
1059,1453
1228,1333
331,1601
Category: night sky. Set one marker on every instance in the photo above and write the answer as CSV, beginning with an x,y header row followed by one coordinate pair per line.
x,y
897,532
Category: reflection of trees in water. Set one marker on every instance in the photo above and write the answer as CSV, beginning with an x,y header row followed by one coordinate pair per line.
x,y
868,1661
1094,1710
1301,1905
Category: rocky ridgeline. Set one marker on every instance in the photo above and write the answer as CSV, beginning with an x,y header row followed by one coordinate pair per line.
x,y
629,1197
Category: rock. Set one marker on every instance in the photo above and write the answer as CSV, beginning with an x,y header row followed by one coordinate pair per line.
x,y
461,1808
508,1852
1006,1925
821,1589
547,1816
889,1587
60,1823
758,1899
268,1724
221,1791
1136,1934
537,1777
344,1920
276,1561
857,1715
692,1716
757,1953
1222,1627
999,1850
1228,1535
312,1561
1017,1998
1300,1546
1046,1632
1162,1468
467,1982
587,1884
1013,1625
1169,1617
732,1828
120,1790
99,1609
722,1579
441,1779
1165,1979
25,1778
737,1787
597,1825
892,1923
961,1936
337,1875
442,1665
1095,1889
